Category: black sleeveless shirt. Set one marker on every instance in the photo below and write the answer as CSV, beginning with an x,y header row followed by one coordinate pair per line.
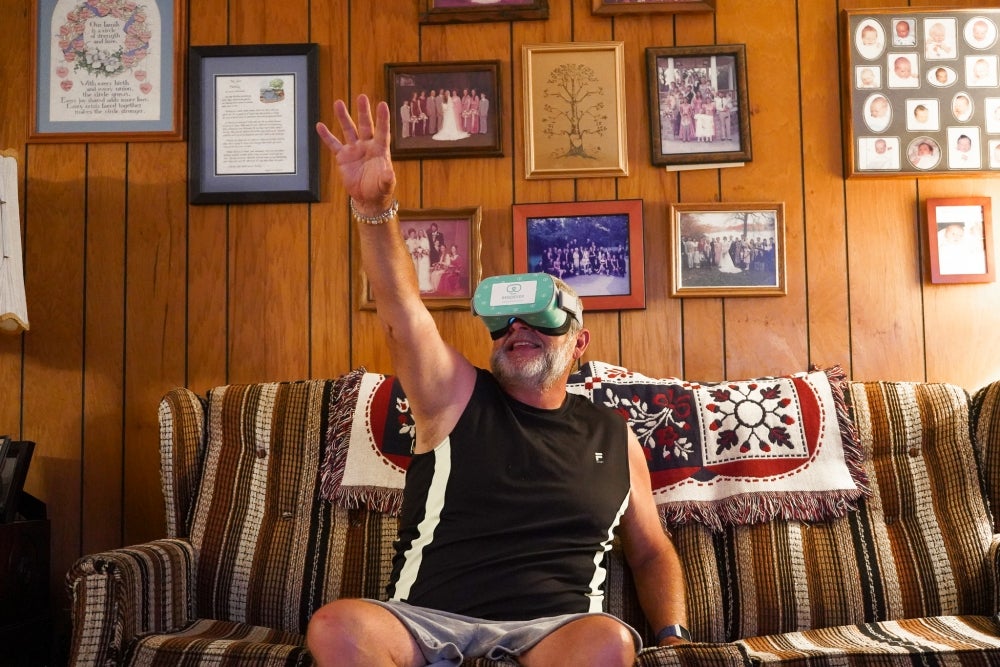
x,y
510,517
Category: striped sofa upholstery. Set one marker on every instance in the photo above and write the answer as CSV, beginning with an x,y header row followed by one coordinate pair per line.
x,y
250,551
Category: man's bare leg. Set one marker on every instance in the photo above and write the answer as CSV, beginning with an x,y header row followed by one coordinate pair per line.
x,y
355,632
593,640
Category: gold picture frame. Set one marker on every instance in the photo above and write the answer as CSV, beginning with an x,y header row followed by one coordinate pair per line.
x,y
574,110
450,282
719,250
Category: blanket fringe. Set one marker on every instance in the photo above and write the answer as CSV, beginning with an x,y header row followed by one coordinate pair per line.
x,y
760,507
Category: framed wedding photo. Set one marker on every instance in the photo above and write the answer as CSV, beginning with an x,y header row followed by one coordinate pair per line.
x,y
595,246
444,110
922,92
719,250
107,71
478,11
652,6
960,240
253,115
574,110
698,106
445,246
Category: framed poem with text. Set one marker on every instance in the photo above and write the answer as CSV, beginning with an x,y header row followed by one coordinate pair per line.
x,y
108,70
922,91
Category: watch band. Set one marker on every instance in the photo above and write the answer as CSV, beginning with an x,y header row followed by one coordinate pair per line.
x,y
676,630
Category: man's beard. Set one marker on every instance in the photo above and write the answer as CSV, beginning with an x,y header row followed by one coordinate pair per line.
x,y
542,371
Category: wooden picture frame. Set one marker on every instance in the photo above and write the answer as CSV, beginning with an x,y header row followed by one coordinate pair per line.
x,y
477,131
13,471
253,111
468,11
720,250
125,85
921,92
960,240
587,78
450,279
611,7
595,246
700,125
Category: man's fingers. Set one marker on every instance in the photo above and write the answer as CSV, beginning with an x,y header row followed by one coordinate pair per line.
x,y
332,142
382,123
364,117
346,122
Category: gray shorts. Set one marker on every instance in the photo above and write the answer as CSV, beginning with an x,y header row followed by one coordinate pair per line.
x,y
446,638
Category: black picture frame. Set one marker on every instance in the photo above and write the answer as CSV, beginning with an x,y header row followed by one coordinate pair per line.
x,y
246,146
16,456
467,11
669,70
406,81
922,92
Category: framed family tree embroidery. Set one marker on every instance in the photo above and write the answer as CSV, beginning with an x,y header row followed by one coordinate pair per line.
x,y
923,92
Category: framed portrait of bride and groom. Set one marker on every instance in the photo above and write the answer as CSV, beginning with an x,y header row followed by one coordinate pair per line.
x,y
719,250
444,110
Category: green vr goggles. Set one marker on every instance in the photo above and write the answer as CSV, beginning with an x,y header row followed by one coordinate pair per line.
x,y
533,298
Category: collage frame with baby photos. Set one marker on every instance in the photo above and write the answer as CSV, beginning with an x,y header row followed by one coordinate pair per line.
x,y
923,92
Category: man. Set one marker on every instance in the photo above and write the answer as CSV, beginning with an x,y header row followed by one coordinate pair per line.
x,y
462,543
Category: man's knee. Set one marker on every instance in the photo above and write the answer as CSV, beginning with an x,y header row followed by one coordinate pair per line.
x,y
354,631
601,639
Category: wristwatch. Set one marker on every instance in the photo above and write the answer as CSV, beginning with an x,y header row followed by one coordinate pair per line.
x,y
676,630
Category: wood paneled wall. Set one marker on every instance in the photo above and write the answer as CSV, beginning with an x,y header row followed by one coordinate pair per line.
x,y
132,291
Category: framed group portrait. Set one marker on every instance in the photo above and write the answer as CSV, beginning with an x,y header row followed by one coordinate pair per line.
x,y
595,246
445,247
574,110
477,11
107,71
960,240
699,112
922,91
722,249
651,6
444,110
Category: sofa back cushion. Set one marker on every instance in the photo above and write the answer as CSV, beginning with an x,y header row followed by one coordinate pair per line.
x,y
917,547
268,552
986,421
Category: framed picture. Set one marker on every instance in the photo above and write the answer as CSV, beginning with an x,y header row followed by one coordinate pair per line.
x,y
16,455
444,110
719,250
698,106
652,6
595,246
574,110
444,245
960,240
253,109
107,71
922,92
477,11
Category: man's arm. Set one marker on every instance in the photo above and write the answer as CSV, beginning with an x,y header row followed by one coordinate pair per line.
x,y
436,378
651,555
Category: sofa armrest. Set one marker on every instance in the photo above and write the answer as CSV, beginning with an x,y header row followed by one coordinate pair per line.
x,y
118,594
993,554
683,655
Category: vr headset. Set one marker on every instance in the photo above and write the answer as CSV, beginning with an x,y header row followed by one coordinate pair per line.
x,y
533,298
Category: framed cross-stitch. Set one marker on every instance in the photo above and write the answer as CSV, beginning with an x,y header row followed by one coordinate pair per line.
x,y
922,92
719,250
651,6
445,246
574,110
595,246
107,70
698,106
960,240
253,113
475,11
444,110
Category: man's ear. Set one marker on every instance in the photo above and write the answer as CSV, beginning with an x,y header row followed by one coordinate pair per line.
x,y
582,342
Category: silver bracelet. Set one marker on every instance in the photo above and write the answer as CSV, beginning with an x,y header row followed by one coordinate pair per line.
x,y
379,219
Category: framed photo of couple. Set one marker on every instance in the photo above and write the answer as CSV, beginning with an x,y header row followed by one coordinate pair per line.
x,y
445,246
444,110
923,92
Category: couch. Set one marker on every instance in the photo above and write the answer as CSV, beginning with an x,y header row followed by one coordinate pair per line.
x,y
905,575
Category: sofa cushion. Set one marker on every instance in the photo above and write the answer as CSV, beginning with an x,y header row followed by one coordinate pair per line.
x,y
221,643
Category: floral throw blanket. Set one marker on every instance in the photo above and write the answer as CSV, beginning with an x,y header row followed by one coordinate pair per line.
x,y
728,453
